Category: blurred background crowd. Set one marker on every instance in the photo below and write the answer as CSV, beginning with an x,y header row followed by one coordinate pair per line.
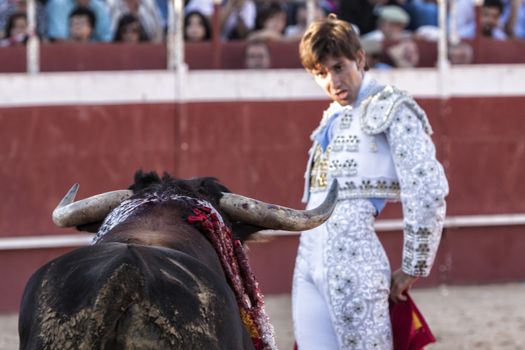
x,y
260,21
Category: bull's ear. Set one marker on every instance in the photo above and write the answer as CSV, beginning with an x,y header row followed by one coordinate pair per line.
x,y
91,227
143,180
245,232
213,187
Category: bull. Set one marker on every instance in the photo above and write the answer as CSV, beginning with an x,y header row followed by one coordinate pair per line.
x,y
167,270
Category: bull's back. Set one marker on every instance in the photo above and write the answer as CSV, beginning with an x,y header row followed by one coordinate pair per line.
x,y
118,296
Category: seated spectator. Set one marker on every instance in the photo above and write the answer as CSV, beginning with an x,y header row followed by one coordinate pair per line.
x,y
162,7
460,53
129,30
58,12
428,33
237,19
237,16
145,10
422,13
296,30
81,25
330,6
464,19
287,5
404,54
266,3
196,27
374,54
513,18
9,7
5,7
391,24
270,23
361,13
16,30
257,55
491,13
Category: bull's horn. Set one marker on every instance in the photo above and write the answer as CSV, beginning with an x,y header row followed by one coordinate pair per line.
x,y
85,211
275,217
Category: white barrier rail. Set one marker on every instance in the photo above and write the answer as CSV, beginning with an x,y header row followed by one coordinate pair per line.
x,y
450,222
462,221
39,242
82,239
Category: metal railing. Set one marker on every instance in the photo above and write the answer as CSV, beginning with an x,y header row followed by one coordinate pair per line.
x,y
33,43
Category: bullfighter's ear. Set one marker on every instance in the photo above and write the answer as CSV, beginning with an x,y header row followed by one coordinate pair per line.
x,y
91,227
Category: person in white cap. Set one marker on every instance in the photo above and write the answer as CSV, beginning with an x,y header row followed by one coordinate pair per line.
x,y
391,24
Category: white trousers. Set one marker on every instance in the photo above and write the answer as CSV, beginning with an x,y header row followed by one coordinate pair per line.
x,y
342,282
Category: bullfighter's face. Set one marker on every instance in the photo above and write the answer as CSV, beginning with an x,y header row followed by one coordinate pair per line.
x,y
340,77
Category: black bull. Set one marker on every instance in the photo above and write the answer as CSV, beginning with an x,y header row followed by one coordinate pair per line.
x,y
153,281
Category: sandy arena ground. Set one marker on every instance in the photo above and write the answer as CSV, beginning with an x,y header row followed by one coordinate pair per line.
x,y
462,318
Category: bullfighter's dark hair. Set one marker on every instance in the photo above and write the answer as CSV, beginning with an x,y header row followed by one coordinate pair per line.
x,y
329,36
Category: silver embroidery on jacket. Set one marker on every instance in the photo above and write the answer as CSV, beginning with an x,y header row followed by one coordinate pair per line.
x,y
358,275
423,188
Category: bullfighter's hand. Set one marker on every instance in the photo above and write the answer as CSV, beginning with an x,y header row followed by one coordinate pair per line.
x,y
401,283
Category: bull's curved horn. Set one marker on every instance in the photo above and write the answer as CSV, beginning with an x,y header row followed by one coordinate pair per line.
x,y
275,217
85,211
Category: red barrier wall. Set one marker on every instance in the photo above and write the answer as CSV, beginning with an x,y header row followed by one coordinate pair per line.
x,y
63,57
257,149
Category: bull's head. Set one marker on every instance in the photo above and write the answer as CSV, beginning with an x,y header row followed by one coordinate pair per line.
x,y
240,209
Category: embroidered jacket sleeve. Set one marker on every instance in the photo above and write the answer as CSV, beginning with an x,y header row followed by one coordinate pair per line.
x,y
423,186
421,177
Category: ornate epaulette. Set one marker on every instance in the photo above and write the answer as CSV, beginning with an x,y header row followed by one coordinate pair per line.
x,y
377,111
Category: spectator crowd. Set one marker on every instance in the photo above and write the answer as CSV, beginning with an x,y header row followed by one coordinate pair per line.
x,y
260,21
